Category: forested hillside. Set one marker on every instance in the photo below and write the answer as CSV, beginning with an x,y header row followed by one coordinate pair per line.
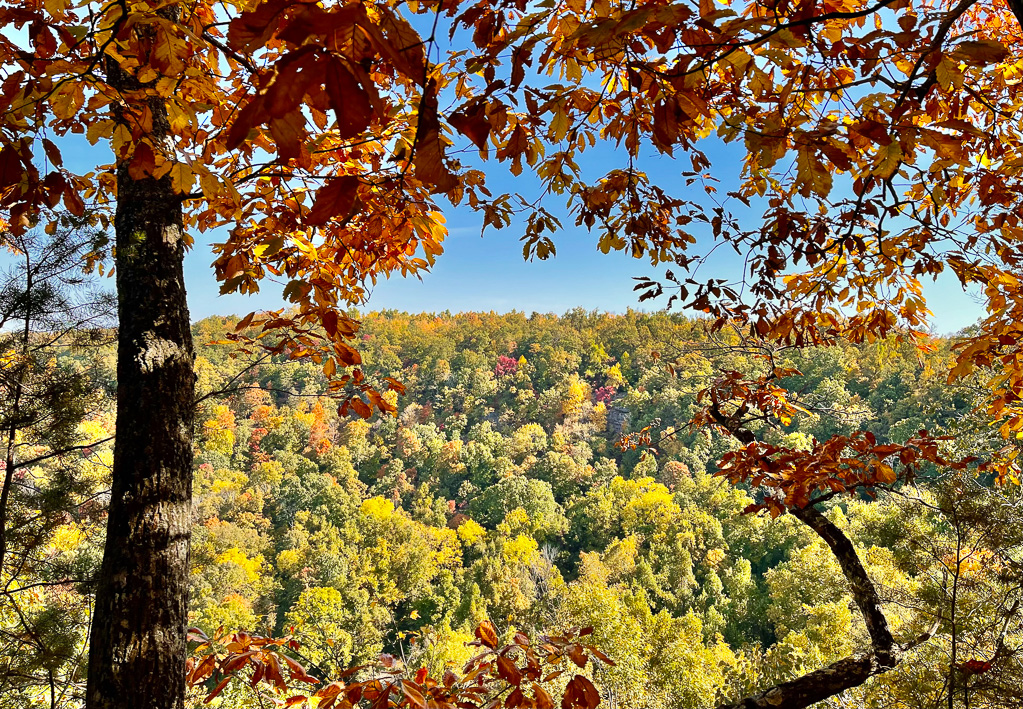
x,y
540,473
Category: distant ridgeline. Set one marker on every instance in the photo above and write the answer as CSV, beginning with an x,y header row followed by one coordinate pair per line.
x,y
500,490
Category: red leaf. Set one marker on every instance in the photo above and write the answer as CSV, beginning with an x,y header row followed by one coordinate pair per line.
x,y
508,671
330,322
11,166
580,692
352,105
473,124
251,30
335,199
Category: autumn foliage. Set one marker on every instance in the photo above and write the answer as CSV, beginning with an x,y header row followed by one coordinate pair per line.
x,y
880,152
512,675
877,146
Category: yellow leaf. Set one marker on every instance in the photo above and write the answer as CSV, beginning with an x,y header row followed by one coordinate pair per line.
x,y
889,157
98,130
182,178
559,124
56,8
121,140
167,52
179,118
948,74
812,177
69,98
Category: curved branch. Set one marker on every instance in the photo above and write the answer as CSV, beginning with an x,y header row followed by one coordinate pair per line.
x,y
851,671
814,686
863,590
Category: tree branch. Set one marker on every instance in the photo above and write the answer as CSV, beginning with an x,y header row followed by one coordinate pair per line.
x,y
863,591
815,686
848,672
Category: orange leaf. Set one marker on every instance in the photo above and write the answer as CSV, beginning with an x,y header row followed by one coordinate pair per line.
x,y
295,74
543,700
413,694
251,30
361,408
577,655
252,115
217,690
429,155
288,132
143,161
515,699
52,152
487,634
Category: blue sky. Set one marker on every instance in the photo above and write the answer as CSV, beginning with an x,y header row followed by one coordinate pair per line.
x,y
489,273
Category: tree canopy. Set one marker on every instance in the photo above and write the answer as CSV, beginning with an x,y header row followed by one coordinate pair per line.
x,y
879,144
879,140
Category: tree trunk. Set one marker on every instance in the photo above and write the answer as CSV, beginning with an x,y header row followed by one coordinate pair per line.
x,y
137,654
